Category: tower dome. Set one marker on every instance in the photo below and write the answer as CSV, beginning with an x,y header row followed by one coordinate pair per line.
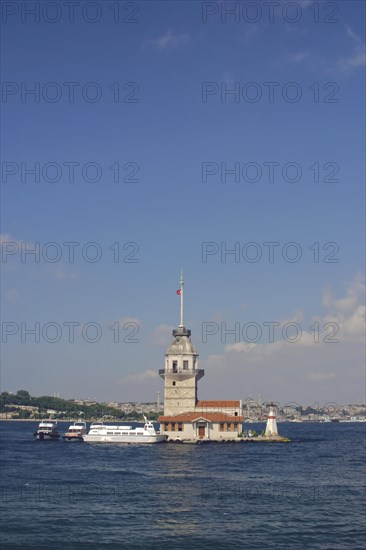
x,y
181,344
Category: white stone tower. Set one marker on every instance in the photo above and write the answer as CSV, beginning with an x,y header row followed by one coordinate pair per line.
x,y
271,427
181,372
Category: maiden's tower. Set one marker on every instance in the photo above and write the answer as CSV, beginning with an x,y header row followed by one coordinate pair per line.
x,y
186,418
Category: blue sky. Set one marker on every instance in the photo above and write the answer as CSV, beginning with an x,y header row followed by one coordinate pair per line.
x,y
164,60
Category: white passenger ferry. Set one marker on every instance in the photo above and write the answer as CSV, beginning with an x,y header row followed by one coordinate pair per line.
x,y
75,432
103,433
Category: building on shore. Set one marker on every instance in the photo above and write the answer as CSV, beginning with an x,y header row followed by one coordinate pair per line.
x,y
186,418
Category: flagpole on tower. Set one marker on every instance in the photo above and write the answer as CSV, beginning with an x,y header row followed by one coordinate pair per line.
x,y
181,298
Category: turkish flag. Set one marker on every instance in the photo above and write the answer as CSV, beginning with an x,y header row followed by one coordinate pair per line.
x,y
179,292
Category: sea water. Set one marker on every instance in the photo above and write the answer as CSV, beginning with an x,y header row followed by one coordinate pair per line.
x,y
309,493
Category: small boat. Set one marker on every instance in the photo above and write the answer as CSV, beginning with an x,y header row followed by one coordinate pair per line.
x,y
75,432
47,431
103,433
357,419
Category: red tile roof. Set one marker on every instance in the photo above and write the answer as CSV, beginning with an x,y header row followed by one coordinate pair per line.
x,y
195,415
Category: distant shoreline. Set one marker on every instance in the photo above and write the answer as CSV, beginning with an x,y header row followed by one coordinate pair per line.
x,y
69,420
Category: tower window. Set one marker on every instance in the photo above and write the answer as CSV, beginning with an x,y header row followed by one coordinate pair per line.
x,y
173,382
185,365
175,366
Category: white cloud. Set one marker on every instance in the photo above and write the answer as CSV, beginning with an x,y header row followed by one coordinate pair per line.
x,y
357,57
6,238
241,347
354,36
297,317
63,273
305,370
168,40
293,58
298,57
348,312
125,320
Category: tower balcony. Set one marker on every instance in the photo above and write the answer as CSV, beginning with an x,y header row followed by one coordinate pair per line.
x,y
181,374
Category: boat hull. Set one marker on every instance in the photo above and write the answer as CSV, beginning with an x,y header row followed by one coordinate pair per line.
x,y
140,439
46,437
